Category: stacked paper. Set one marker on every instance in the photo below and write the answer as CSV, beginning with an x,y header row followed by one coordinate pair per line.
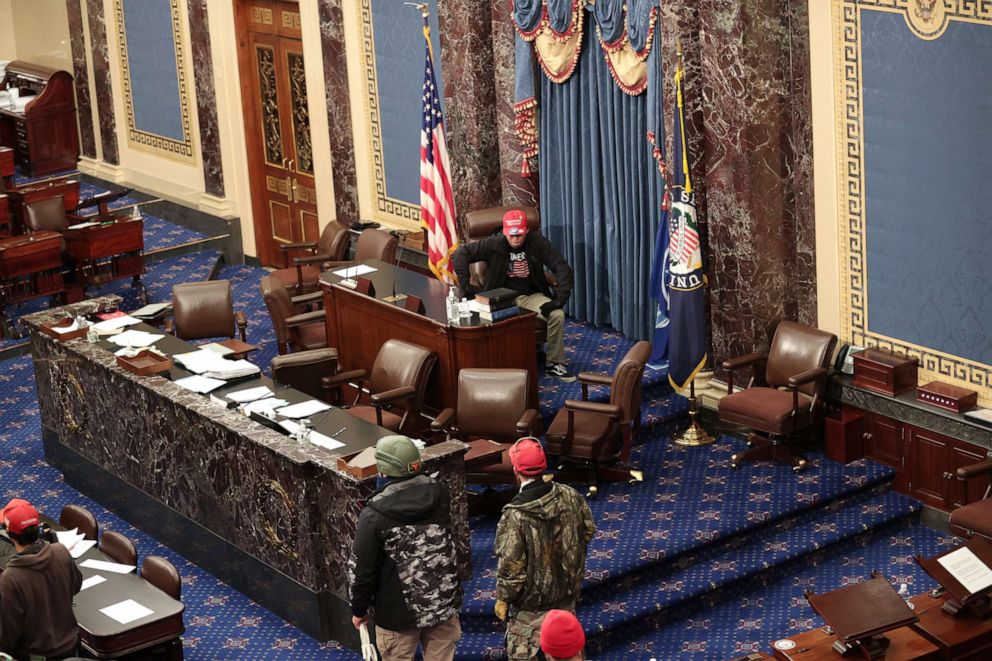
x,y
215,366
134,338
75,542
265,406
200,384
303,409
249,394
116,322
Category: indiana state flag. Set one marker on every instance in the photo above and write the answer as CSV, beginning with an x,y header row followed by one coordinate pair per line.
x,y
686,280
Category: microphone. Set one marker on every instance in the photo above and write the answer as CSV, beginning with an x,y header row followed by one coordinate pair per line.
x,y
394,297
307,425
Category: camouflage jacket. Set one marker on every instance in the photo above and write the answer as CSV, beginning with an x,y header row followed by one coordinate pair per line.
x,y
403,557
540,546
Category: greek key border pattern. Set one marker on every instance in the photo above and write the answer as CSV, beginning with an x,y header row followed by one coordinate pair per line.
x,y
848,113
176,149
387,209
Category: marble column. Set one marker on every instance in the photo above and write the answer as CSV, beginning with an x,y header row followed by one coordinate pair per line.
x,y
516,189
206,97
338,110
81,78
470,104
102,82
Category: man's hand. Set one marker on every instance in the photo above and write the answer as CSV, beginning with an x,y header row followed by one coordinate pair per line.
x,y
501,609
548,308
359,621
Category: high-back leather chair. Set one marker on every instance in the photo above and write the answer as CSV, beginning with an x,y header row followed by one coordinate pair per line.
x,y
372,244
296,327
492,405
163,574
306,371
598,436
975,516
785,395
118,548
205,309
80,518
47,214
303,276
395,386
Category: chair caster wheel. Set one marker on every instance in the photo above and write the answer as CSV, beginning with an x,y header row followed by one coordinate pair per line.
x,y
734,466
750,443
798,467
635,477
592,492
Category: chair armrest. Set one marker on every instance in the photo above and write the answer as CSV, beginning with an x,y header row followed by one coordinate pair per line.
x,y
312,259
327,266
169,326
525,425
732,364
306,299
441,421
341,378
305,318
972,470
292,246
595,378
611,410
807,377
387,396
242,323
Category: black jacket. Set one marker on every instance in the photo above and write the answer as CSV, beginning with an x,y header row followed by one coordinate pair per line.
x,y
495,252
404,556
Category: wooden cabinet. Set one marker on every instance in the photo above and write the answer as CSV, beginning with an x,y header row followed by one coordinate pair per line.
x,y
925,461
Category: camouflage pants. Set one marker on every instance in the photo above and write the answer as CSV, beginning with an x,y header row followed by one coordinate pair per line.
x,y
523,634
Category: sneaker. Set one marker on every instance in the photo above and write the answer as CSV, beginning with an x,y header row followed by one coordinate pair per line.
x,y
559,371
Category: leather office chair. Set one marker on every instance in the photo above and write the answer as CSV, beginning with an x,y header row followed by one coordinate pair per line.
x,y
302,277
297,328
371,244
395,386
975,518
305,371
205,309
163,574
80,518
785,395
47,214
118,548
598,437
492,405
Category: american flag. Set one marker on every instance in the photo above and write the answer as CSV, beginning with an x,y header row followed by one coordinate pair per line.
x,y
437,205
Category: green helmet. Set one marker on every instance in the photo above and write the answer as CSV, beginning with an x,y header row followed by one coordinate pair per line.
x,y
397,456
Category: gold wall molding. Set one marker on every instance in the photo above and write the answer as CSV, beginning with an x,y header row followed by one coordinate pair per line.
x,y
927,20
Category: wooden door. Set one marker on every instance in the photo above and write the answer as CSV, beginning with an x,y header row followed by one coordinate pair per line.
x,y
928,476
960,454
277,127
884,443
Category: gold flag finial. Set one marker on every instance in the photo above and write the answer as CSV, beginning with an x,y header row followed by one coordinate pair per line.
x,y
422,6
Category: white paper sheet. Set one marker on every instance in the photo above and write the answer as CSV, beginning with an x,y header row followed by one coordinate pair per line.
x,y
80,226
198,361
200,384
217,348
967,569
314,437
249,394
230,369
81,547
354,271
150,310
126,611
303,409
116,322
68,537
135,338
103,565
65,329
267,405
91,581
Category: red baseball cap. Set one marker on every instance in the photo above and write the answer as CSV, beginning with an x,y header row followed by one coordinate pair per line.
x,y
9,507
514,223
20,517
562,635
527,456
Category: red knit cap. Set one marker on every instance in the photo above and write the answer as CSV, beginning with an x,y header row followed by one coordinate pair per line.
x,y
527,456
562,635
20,517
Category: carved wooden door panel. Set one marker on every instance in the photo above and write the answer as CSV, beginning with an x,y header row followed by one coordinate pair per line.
x,y
277,128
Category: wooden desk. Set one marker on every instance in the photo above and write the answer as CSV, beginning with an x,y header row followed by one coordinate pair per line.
x,y
19,196
358,325
7,166
107,251
30,267
965,636
815,645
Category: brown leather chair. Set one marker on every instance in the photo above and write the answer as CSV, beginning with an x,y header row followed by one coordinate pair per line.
x,y
118,548
205,309
598,436
47,214
163,574
80,518
371,244
395,387
785,396
303,276
297,327
306,370
974,518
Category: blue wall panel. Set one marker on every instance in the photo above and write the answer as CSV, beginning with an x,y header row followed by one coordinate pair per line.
x,y
151,55
928,199
399,56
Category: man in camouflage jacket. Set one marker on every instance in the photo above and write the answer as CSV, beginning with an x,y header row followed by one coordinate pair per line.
x,y
541,545
404,560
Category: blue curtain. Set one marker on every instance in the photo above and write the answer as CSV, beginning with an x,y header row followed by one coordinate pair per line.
x,y
600,191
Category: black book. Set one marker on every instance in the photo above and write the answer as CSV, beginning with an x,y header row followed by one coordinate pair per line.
x,y
497,295
499,305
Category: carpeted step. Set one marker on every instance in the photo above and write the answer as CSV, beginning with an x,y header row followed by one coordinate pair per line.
x,y
609,616
696,487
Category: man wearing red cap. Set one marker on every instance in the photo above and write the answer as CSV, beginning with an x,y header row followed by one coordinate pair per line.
x,y
36,590
562,637
517,260
540,548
